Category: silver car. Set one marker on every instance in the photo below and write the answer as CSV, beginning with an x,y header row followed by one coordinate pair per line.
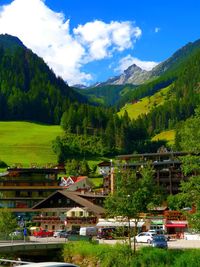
x,y
144,237
60,233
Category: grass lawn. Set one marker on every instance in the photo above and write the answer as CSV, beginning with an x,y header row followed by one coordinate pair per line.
x,y
97,182
166,135
25,142
146,104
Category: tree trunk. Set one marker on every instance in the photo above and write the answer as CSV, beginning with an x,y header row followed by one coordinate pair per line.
x,y
129,233
135,232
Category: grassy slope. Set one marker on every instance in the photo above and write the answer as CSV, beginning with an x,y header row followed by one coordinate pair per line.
x,y
145,104
24,142
166,135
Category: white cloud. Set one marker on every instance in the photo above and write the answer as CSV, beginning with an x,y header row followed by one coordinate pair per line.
x,y
157,29
101,38
127,61
48,34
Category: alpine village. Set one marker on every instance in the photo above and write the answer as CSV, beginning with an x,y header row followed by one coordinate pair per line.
x,y
121,157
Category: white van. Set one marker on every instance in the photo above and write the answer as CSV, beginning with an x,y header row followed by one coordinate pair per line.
x,y
88,231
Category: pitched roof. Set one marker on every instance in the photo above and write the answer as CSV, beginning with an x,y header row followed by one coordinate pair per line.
x,y
75,179
76,198
104,164
83,202
80,178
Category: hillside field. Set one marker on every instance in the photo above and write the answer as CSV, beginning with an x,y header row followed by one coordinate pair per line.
x,y
27,143
146,104
166,135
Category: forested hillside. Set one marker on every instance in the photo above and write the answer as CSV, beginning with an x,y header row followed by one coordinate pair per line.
x,y
96,131
106,95
29,90
164,73
181,105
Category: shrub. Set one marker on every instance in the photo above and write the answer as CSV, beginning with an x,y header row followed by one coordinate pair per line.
x,y
190,258
92,254
3,164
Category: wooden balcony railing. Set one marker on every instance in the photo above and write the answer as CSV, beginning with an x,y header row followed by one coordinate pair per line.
x,y
70,220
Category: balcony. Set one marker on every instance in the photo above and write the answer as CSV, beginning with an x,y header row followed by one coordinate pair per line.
x,y
70,220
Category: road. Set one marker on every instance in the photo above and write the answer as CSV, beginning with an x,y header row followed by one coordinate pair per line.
x,y
177,243
174,244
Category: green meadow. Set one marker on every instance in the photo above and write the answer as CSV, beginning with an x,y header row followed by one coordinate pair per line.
x,y
27,143
146,104
166,135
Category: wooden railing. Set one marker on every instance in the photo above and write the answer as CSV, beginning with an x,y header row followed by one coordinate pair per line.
x,y
70,220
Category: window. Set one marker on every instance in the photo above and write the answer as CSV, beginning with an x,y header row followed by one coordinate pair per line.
x,y
59,201
81,214
142,234
17,193
40,193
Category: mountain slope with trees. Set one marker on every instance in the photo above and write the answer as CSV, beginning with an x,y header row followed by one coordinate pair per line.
x,y
29,90
152,81
185,98
106,95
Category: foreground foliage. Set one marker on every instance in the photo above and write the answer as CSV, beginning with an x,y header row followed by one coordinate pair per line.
x,y
92,254
8,222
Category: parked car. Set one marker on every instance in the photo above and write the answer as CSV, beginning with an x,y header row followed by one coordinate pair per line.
x,y
16,233
159,241
60,233
73,232
38,264
144,237
160,232
106,233
43,233
50,264
88,231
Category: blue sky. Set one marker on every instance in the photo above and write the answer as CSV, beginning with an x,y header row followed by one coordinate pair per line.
x,y
87,41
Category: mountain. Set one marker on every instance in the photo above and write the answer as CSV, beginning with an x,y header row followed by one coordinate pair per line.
x,y
79,86
133,75
29,90
106,95
136,83
178,88
173,62
10,42
163,74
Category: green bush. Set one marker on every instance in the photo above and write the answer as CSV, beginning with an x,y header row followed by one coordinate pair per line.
x,y
3,164
86,253
190,258
92,254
